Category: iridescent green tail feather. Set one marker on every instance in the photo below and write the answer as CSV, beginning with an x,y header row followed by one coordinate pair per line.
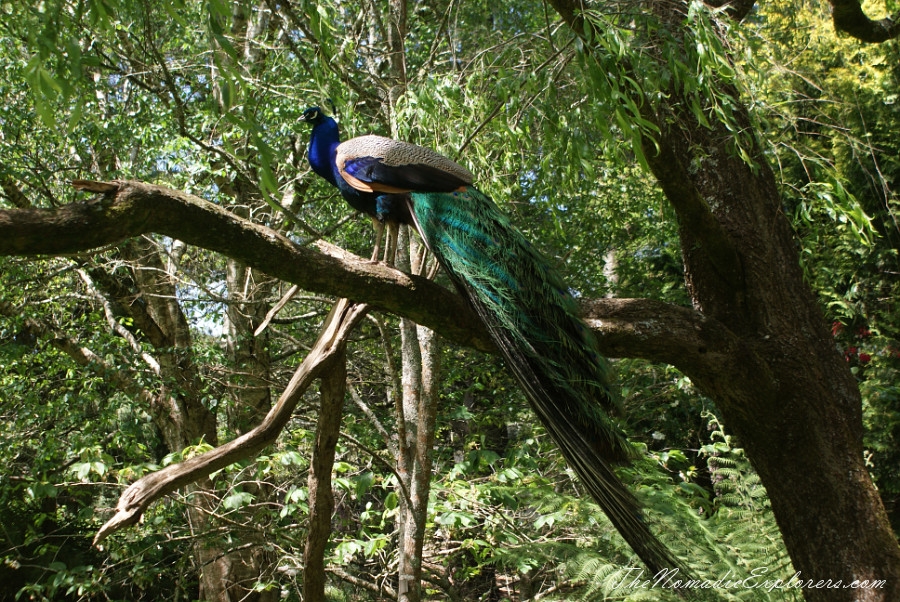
x,y
533,319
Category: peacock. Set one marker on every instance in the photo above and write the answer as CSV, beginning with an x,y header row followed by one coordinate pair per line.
x,y
528,310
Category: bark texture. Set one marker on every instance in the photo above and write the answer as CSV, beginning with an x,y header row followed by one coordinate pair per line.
x,y
127,209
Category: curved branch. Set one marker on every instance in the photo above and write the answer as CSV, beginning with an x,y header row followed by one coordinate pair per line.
x,y
115,325
724,366
658,331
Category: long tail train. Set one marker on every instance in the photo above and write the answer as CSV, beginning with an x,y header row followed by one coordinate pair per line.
x,y
534,321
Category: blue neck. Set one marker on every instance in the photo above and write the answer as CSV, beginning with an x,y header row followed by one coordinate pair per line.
x,y
323,148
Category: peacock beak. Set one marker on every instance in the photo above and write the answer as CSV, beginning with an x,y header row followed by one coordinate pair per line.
x,y
309,115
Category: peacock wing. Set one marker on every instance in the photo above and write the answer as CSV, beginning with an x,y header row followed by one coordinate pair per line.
x,y
379,164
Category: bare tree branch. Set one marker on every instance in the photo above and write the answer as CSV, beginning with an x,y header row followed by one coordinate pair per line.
x,y
114,324
137,498
701,347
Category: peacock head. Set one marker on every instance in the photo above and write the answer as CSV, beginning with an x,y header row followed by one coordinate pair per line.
x,y
313,116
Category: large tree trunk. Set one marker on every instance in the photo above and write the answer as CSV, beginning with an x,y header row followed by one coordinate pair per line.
x,y
782,387
797,408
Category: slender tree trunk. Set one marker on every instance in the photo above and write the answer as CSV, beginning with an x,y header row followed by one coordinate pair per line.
x,y
397,29
610,267
410,563
420,351
249,354
321,496
420,372
421,366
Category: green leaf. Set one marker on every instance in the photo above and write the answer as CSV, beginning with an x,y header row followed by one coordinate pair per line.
x,y
237,500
